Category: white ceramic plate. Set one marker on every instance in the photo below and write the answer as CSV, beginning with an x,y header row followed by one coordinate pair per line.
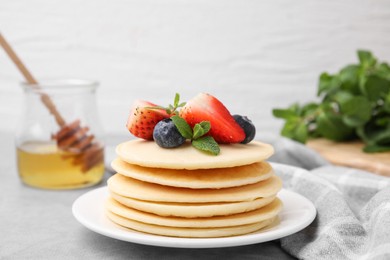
x,y
297,213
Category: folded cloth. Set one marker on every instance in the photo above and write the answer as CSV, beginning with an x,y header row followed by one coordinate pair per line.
x,y
353,207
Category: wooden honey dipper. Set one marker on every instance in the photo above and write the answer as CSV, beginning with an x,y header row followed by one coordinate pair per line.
x,y
71,137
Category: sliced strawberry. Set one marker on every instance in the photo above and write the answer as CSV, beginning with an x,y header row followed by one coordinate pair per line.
x,y
142,119
205,107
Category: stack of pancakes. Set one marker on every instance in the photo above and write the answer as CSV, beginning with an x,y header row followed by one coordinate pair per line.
x,y
183,192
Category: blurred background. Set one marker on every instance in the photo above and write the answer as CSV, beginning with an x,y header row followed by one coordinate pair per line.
x,y
253,55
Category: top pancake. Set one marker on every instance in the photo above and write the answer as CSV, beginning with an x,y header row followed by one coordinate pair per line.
x,y
149,154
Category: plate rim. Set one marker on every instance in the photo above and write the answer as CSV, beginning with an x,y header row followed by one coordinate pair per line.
x,y
176,242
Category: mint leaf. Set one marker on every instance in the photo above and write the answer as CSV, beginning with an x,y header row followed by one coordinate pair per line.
x,y
386,105
206,126
182,126
383,71
201,129
206,144
383,122
289,127
376,88
349,79
198,131
295,129
356,111
310,110
366,58
332,127
301,132
325,83
373,134
156,108
328,84
342,96
176,100
284,113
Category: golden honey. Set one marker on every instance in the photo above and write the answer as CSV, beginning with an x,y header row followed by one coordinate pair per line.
x,y
43,165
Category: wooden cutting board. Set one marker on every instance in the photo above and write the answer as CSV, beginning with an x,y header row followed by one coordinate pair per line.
x,y
350,154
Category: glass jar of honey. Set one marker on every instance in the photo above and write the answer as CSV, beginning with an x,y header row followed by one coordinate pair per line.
x,y
59,139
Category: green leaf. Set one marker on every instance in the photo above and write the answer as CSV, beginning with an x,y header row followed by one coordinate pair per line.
x,y
198,131
326,83
309,109
182,104
355,111
206,144
366,58
176,100
332,127
349,79
383,121
284,113
295,129
288,129
383,71
155,108
342,96
362,79
182,126
386,105
201,129
206,126
374,134
376,88
301,133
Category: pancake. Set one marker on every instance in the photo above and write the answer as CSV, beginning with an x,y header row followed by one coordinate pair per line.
x,y
197,179
257,215
188,232
129,187
192,210
149,154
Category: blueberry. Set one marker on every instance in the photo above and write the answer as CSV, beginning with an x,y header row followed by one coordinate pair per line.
x,y
166,134
248,127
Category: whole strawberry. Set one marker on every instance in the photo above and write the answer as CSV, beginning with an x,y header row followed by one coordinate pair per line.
x,y
143,118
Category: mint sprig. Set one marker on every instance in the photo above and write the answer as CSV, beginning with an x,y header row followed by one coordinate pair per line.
x,y
171,109
196,135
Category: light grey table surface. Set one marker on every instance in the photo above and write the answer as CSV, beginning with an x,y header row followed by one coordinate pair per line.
x,y
38,224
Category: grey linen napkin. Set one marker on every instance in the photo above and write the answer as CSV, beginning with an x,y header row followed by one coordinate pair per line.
x,y
353,207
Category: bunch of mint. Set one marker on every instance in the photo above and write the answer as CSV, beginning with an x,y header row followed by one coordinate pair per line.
x,y
355,104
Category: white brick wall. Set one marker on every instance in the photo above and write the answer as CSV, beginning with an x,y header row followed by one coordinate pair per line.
x,y
253,55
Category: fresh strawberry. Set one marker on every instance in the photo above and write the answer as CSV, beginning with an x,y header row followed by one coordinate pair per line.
x,y
205,107
143,118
